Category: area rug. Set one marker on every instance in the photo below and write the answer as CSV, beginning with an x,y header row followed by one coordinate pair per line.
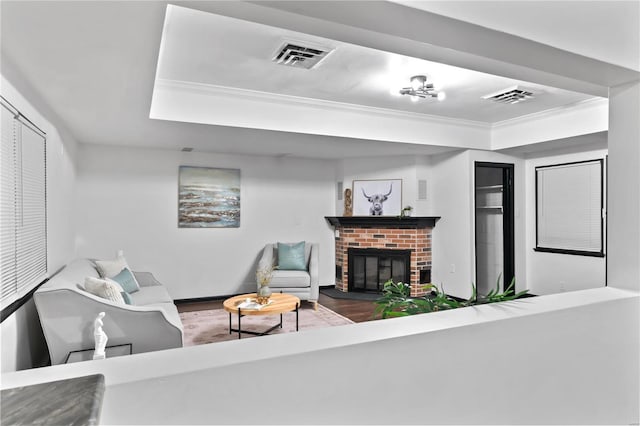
x,y
211,326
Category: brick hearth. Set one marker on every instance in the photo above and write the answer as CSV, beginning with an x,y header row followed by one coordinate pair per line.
x,y
384,233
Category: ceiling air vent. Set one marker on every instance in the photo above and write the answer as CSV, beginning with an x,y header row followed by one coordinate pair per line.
x,y
512,95
186,149
300,56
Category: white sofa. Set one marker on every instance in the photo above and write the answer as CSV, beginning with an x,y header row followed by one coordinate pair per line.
x,y
67,313
304,284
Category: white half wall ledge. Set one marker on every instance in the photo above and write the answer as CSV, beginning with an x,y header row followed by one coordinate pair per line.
x,y
208,104
540,352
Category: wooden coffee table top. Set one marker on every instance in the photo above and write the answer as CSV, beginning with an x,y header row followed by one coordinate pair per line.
x,y
281,303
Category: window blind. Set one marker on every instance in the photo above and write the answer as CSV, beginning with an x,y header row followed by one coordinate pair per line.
x,y
23,215
569,205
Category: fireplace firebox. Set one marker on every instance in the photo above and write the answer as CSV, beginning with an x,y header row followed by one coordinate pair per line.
x,y
370,268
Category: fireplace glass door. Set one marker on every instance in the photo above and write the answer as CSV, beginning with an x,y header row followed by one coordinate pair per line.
x,y
369,269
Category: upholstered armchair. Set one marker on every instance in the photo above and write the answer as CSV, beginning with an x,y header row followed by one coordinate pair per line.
x,y
301,283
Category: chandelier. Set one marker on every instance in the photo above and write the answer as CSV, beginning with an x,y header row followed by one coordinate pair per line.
x,y
421,89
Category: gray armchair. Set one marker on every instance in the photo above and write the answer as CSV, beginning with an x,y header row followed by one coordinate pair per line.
x,y
304,284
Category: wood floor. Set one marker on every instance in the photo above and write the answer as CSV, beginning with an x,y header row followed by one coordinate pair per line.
x,y
355,310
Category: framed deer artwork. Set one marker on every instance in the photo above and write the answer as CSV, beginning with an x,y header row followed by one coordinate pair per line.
x,y
378,197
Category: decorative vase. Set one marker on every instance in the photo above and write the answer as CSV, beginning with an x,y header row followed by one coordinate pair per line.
x,y
264,293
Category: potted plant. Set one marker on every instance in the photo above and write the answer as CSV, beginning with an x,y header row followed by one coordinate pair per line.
x,y
406,211
263,276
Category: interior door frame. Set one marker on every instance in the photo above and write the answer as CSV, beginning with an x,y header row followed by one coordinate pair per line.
x,y
508,225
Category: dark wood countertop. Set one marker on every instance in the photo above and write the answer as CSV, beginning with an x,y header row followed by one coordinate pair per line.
x,y
76,401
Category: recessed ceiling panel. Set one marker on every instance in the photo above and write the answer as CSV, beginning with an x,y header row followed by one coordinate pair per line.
x,y
205,48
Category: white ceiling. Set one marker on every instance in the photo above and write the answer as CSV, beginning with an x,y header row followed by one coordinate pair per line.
x,y
605,30
94,64
206,48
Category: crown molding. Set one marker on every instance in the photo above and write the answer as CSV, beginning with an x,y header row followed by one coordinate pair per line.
x,y
255,95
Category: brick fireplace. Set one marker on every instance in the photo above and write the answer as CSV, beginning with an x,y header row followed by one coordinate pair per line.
x,y
383,241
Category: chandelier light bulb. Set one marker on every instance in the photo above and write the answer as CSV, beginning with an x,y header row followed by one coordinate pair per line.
x,y
418,81
441,96
419,88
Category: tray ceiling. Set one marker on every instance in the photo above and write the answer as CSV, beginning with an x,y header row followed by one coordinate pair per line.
x,y
210,49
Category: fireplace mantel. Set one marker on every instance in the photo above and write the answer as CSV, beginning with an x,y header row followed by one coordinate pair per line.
x,y
382,221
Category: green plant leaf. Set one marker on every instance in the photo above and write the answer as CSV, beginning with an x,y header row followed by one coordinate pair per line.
x,y
396,300
397,314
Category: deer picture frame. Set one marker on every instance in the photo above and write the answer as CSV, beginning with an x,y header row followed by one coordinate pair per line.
x,y
377,197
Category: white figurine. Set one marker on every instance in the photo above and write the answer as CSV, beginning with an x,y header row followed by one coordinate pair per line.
x,y
100,337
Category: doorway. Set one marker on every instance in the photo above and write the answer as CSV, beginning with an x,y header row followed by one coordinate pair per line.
x,y
494,223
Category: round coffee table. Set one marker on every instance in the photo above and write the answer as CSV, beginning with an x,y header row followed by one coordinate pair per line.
x,y
280,303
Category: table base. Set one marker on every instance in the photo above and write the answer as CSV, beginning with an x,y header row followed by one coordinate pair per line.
x,y
239,330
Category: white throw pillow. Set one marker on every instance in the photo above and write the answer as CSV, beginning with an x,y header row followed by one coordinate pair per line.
x,y
105,288
111,268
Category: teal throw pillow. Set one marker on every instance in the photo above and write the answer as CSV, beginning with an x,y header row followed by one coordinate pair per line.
x,y
291,256
127,281
127,298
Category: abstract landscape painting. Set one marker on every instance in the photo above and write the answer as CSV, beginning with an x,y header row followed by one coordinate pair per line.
x,y
208,197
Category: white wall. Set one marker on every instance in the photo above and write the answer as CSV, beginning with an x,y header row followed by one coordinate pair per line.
x,y
22,340
399,167
449,196
624,190
193,103
127,198
452,185
590,116
152,175
549,273
23,344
